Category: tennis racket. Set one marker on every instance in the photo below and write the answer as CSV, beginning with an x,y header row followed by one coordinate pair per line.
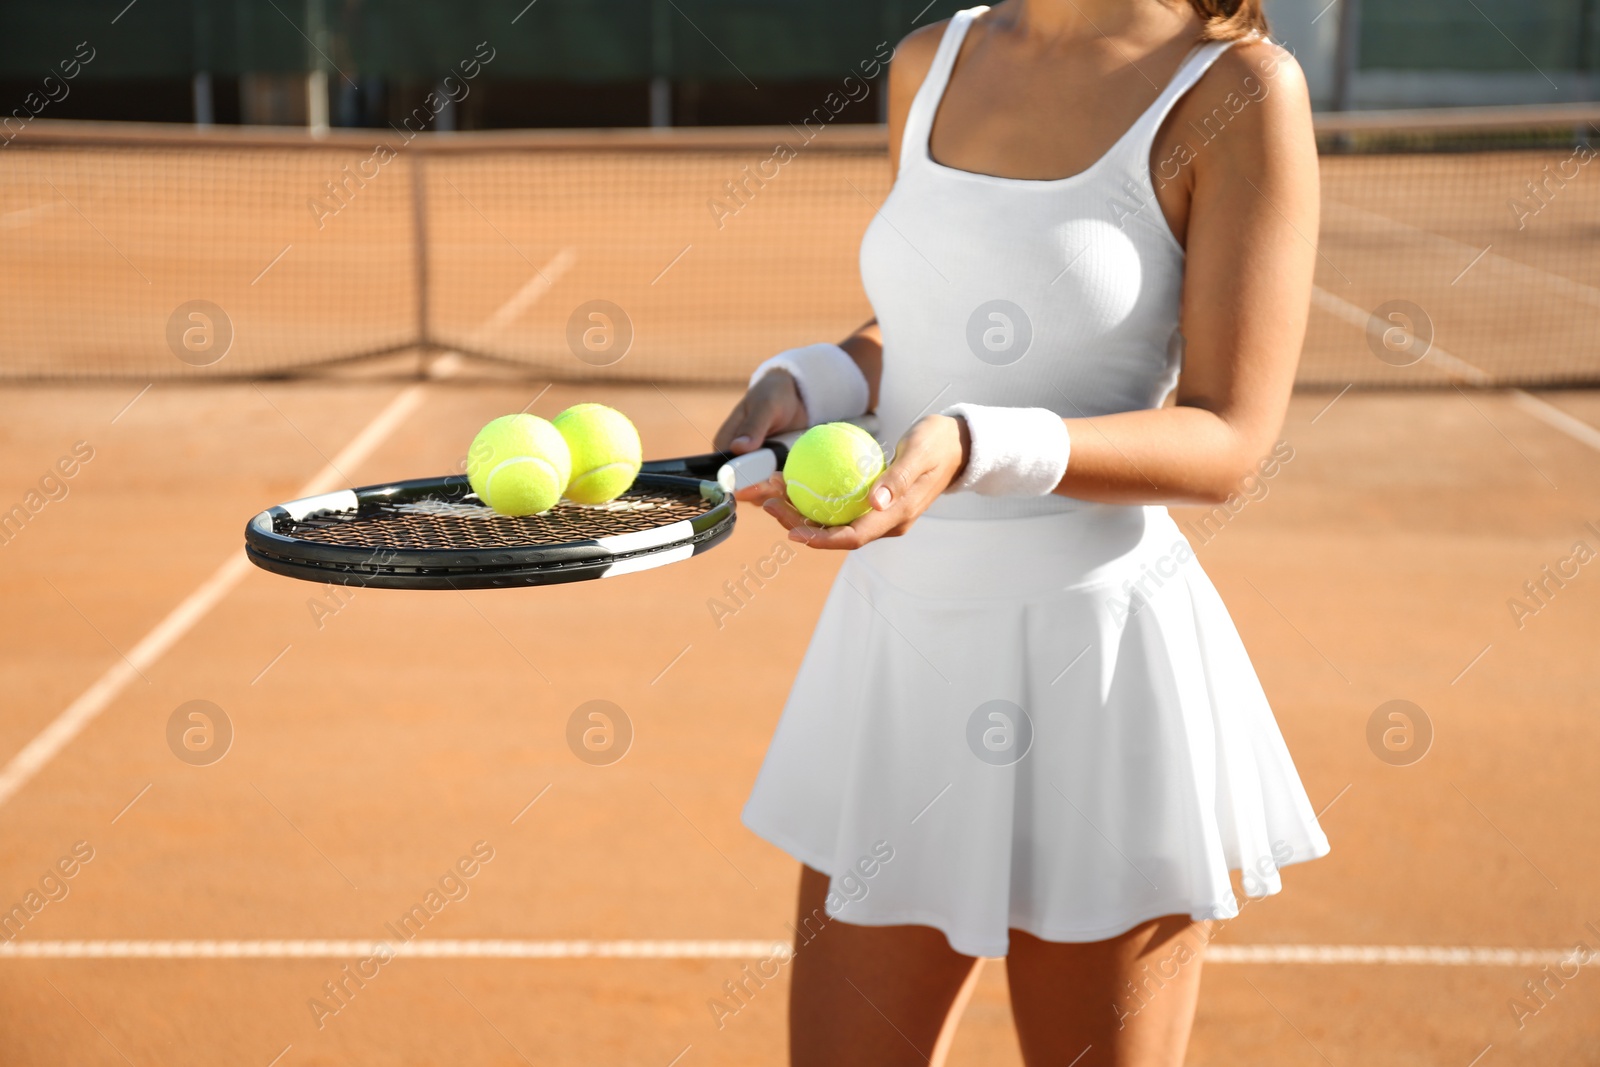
x,y
434,533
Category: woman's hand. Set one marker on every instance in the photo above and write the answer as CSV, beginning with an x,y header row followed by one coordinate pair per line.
x,y
928,458
772,406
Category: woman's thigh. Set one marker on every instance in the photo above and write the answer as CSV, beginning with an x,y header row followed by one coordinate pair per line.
x,y
874,995
1127,1002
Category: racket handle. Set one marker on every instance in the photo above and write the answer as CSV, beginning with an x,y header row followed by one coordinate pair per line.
x,y
752,468
737,472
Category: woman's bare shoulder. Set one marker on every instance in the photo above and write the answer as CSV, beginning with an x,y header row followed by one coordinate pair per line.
x,y
1251,105
1258,82
914,55
908,67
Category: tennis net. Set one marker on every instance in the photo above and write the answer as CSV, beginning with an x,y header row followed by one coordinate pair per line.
x,y
1455,247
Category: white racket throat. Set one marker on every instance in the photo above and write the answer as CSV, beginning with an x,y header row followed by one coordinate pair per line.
x,y
752,468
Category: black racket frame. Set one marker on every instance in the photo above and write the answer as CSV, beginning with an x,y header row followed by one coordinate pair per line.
x,y
506,567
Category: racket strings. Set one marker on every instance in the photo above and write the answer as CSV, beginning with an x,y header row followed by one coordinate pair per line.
x,y
448,525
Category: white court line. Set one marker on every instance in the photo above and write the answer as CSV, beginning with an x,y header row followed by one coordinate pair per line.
x,y
1554,283
81,712
531,291
1554,417
1457,367
1342,309
516,950
1391,955
155,644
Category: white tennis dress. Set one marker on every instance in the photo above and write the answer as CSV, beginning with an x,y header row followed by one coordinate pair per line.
x,y
1037,707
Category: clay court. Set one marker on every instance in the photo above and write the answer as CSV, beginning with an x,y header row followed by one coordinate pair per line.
x,y
385,743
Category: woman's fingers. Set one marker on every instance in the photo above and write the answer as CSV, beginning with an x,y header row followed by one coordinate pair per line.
x,y
801,528
891,521
761,492
910,463
778,506
869,527
924,462
745,427
915,460
771,406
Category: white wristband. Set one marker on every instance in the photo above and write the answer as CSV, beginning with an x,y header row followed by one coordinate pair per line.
x,y
1013,451
831,385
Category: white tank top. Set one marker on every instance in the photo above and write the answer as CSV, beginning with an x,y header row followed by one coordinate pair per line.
x,y
1018,292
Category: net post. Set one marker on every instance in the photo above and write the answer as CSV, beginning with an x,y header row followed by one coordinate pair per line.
x,y
200,82
419,254
317,68
661,66
1347,55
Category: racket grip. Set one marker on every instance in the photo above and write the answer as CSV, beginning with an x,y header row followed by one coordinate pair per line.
x,y
740,472
737,472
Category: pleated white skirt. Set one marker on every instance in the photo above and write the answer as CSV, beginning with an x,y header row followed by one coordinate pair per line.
x,y
1046,723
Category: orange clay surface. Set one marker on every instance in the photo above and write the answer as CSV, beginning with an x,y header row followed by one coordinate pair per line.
x,y
393,731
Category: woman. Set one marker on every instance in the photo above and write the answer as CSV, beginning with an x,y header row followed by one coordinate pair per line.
x,y
1025,726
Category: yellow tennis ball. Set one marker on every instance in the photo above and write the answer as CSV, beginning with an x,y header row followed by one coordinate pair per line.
x,y
829,470
605,452
519,465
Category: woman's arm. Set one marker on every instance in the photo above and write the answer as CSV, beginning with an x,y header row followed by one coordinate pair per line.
x,y
1251,228
773,405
